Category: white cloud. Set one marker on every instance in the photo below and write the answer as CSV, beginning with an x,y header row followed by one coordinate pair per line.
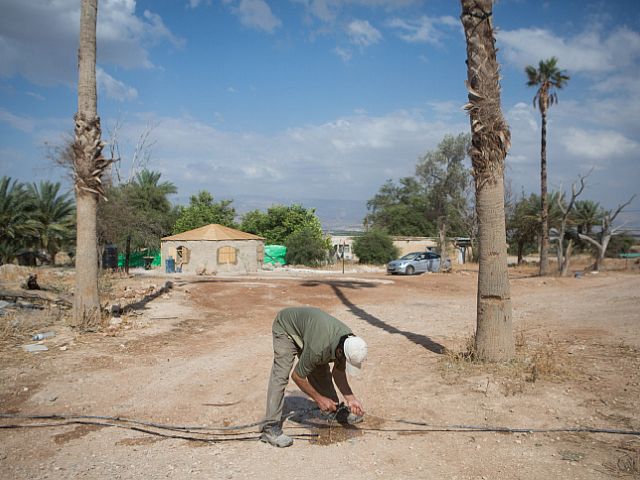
x,y
592,51
446,108
362,33
197,3
343,53
349,157
113,88
35,95
39,39
424,29
328,10
256,14
24,124
523,116
597,145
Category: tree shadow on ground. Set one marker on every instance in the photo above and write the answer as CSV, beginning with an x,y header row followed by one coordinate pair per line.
x,y
338,285
142,304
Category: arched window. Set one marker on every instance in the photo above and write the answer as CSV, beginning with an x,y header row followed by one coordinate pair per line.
x,y
227,255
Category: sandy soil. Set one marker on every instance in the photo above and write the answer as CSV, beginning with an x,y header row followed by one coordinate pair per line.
x,y
200,355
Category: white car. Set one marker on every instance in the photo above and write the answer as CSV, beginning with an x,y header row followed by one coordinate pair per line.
x,y
418,262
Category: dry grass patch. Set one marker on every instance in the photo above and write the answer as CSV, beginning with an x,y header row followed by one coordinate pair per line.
x,y
627,464
17,326
535,360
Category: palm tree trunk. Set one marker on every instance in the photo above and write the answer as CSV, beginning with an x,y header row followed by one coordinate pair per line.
x,y
544,207
490,142
87,150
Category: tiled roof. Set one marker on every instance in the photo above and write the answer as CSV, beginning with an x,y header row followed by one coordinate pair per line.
x,y
213,232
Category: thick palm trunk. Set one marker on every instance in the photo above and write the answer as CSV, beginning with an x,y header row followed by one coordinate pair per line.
x,y
490,142
86,299
88,167
544,207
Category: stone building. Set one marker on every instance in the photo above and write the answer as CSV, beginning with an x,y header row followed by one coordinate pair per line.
x,y
213,249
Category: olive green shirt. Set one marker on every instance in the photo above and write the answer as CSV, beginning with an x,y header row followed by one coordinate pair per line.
x,y
315,333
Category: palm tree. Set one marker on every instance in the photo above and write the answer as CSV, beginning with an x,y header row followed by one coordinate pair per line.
x,y
52,216
587,213
153,195
524,224
546,77
150,208
15,223
490,141
89,165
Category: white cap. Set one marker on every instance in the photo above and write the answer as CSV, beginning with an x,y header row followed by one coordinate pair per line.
x,y
355,351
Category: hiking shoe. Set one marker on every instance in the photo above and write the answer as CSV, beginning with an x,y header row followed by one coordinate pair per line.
x,y
277,439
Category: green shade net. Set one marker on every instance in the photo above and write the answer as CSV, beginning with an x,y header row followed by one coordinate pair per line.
x,y
275,254
136,259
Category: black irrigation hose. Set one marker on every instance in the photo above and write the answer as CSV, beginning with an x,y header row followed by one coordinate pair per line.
x,y
215,439
128,420
229,431
477,428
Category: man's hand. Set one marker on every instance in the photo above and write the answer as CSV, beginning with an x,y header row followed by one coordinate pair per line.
x,y
354,405
326,404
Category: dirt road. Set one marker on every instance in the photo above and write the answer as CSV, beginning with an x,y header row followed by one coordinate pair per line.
x,y
201,354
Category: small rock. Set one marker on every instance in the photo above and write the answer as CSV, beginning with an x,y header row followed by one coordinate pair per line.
x,y
64,348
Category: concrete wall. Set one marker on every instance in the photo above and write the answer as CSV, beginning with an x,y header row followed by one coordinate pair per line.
x,y
414,244
203,256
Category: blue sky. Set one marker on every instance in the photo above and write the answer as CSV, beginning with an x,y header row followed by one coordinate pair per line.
x,y
320,101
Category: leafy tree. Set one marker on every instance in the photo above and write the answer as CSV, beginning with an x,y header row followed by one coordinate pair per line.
x,y
375,247
203,210
620,244
546,77
52,216
306,247
137,214
445,178
523,226
491,140
436,199
280,222
15,223
400,209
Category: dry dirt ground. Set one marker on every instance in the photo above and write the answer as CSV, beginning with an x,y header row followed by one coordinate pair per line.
x,y
199,354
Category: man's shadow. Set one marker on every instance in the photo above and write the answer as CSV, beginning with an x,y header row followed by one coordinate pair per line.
x,y
338,285
302,410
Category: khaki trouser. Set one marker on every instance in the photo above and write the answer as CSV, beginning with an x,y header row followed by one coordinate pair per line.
x,y
284,353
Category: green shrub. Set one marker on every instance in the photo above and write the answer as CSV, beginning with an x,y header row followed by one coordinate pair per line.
x,y
306,247
375,247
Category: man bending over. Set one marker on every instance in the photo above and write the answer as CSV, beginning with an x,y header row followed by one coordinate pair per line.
x,y
317,339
